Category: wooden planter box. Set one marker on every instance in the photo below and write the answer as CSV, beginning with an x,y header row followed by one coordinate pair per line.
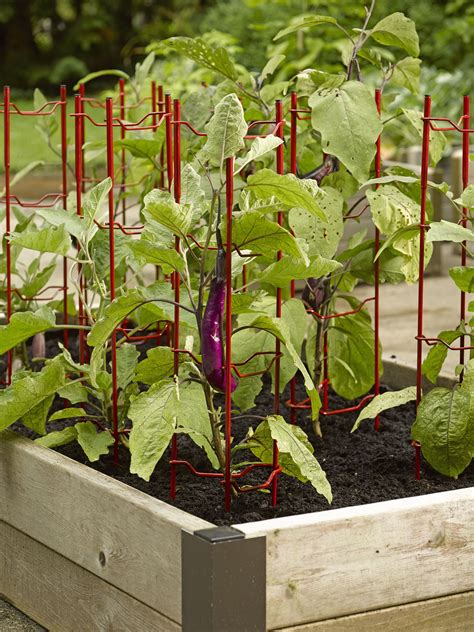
x,y
80,551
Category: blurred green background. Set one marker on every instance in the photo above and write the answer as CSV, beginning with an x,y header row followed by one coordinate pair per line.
x,y
47,42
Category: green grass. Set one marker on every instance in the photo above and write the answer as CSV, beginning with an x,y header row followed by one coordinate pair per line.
x,y
27,144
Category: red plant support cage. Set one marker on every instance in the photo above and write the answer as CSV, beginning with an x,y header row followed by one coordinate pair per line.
x,y
434,124
113,119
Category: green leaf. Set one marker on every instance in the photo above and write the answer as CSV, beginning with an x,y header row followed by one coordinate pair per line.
x,y
407,74
296,458
467,196
54,240
225,131
278,328
73,224
437,139
282,272
24,325
164,257
433,363
127,357
215,58
38,281
445,428
259,147
140,147
102,73
158,365
399,31
74,393
351,356
35,419
113,316
349,125
68,413
252,231
196,425
463,277
270,67
58,438
385,401
303,23
153,414
27,392
93,202
288,189
322,236
95,444
164,210
448,231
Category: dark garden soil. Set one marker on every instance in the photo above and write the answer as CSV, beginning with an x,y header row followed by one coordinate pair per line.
x,y
363,467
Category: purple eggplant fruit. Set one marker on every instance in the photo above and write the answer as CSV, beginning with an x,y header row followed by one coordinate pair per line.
x,y
212,339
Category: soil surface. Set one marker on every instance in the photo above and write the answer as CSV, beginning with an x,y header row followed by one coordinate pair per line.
x,y
363,467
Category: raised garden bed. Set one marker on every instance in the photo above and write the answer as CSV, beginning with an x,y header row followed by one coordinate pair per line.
x,y
118,555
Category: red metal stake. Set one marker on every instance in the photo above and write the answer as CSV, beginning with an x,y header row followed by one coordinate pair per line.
x,y
6,154
293,169
378,170
63,98
169,139
175,275
229,199
122,153
424,193
78,124
109,118
280,168
465,183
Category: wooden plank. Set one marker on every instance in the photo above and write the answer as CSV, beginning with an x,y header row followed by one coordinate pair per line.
x,y
446,614
124,536
340,562
62,596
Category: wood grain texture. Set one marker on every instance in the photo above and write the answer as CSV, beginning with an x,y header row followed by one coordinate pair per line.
x,y
445,614
34,578
124,536
341,562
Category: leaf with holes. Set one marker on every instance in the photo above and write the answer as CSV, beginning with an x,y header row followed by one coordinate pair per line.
x,y
215,58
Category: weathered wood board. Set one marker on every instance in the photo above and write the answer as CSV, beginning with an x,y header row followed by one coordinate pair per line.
x,y
341,562
445,614
62,596
119,534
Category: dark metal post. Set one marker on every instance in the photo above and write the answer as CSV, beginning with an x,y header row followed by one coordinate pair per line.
x,y
223,581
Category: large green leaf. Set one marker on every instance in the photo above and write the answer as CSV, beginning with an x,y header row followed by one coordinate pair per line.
x,y
54,240
463,277
349,125
127,358
322,236
296,457
193,419
383,402
28,392
448,231
95,444
225,131
303,22
437,139
164,210
141,147
433,363
252,231
215,58
113,316
73,224
351,355
92,205
407,74
396,215
288,189
58,438
153,414
158,365
35,419
259,147
24,325
445,428
166,258
282,272
399,31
